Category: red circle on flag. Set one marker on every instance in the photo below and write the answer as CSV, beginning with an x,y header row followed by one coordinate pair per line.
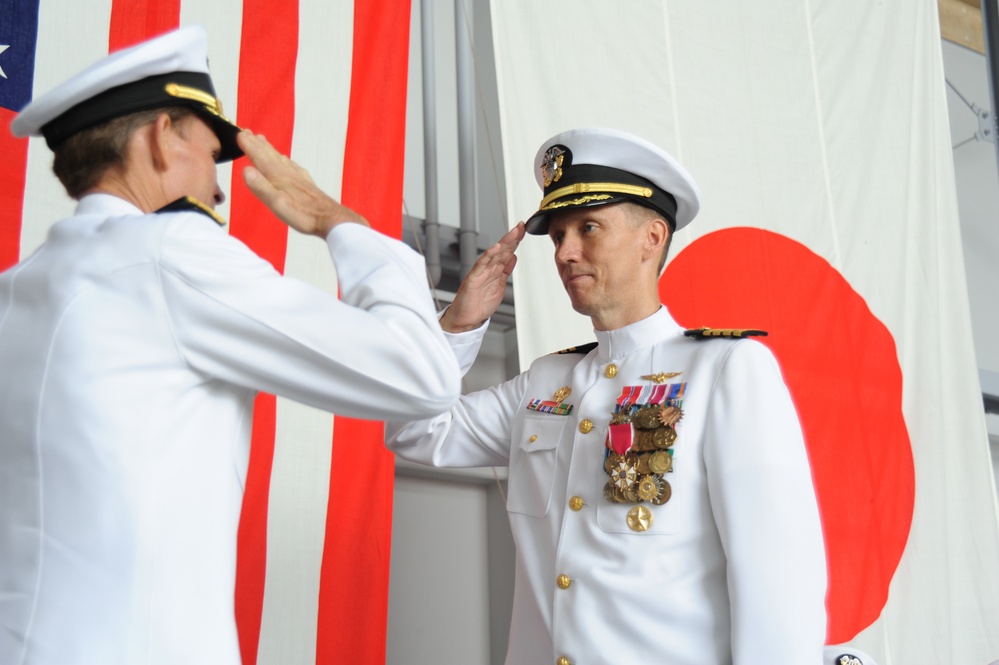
x,y
840,364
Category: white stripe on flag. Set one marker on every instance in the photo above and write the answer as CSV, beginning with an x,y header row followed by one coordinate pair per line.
x,y
61,50
300,476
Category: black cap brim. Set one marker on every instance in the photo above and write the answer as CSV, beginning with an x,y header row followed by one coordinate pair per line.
x,y
192,90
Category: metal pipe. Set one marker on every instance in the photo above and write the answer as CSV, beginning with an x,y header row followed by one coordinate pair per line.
x,y
431,226
468,225
990,26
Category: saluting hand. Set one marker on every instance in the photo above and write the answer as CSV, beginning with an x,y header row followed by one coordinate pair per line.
x,y
288,190
481,292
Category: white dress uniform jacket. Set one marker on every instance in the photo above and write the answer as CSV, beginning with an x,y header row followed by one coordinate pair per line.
x,y
732,567
132,347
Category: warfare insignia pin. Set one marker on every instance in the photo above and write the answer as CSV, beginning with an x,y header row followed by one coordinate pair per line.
x,y
661,377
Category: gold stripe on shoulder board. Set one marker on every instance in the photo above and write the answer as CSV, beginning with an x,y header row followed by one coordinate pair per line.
x,y
731,333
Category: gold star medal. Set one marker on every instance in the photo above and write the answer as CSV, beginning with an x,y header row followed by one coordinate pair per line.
x,y
640,518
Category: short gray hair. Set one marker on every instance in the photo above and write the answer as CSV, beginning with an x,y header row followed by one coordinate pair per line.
x,y
83,159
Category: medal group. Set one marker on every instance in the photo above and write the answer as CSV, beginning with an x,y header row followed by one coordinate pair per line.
x,y
640,440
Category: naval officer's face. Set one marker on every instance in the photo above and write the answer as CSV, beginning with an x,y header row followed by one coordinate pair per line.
x,y
597,254
195,148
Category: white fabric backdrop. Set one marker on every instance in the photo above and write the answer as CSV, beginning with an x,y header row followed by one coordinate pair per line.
x,y
824,121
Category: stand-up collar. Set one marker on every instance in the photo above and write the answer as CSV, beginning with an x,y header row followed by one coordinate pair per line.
x,y
641,334
106,205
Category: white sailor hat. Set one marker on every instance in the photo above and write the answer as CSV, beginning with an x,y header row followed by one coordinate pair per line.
x,y
591,167
169,70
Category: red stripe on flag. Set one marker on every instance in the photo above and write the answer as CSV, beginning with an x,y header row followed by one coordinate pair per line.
x,y
12,175
353,608
266,104
133,21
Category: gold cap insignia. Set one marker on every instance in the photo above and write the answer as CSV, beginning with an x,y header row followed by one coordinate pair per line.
x,y
551,165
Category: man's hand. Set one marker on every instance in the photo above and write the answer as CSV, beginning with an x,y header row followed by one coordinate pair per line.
x,y
288,190
481,292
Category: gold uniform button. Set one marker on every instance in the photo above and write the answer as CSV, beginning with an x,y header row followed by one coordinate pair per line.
x,y
563,581
534,437
585,426
576,503
563,661
611,371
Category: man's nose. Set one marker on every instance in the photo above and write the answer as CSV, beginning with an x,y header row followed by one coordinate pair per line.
x,y
567,250
219,195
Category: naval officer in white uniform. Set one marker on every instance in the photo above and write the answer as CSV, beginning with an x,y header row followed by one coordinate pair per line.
x,y
659,489
132,345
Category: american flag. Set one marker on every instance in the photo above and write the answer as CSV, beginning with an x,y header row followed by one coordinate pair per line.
x,y
324,81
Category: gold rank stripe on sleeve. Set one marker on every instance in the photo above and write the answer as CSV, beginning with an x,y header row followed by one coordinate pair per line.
x,y
731,333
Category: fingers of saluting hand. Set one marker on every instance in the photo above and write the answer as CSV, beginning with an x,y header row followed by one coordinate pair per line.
x,y
500,257
512,241
288,189
280,173
272,177
481,292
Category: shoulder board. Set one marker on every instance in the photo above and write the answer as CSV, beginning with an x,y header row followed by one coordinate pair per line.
x,y
731,333
583,349
191,204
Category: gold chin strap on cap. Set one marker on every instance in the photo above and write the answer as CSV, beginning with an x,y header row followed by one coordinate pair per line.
x,y
599,187
211,103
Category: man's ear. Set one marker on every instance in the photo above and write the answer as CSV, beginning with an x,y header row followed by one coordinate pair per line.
x,y
656,237
160,134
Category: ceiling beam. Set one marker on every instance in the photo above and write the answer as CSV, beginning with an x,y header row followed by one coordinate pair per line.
x,y
961,23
